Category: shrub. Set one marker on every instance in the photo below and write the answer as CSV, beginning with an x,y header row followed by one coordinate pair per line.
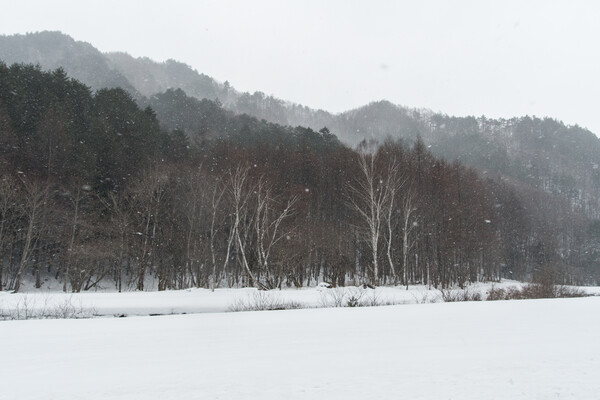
x,y
425,297
27,308
335,297
496,294
450,295
353,297
263,301
535,291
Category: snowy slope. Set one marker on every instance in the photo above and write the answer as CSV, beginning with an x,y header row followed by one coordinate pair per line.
x,y
535,349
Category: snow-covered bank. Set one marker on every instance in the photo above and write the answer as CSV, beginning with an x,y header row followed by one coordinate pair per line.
x,y
204,301
537,349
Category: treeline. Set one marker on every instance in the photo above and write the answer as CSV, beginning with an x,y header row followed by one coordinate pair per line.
x,y
94,192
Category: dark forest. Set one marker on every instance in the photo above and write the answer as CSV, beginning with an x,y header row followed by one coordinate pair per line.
x,y
96,191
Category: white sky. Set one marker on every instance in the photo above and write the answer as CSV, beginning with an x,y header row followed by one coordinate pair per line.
x,y
501,58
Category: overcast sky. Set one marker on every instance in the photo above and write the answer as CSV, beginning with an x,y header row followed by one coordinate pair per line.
x,y
501,59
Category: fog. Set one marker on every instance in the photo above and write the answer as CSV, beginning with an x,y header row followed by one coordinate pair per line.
x,y
504,59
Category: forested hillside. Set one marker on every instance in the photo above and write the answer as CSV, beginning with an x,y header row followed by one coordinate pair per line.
x,y
539,152
94,192
53,50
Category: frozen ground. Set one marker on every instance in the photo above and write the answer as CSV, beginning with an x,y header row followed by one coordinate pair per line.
x,y
532,349
204,301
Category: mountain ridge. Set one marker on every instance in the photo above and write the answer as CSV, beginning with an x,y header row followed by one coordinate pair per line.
x,y
120,63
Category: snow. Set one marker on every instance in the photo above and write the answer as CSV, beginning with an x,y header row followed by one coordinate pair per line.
x,y
205,301
533,349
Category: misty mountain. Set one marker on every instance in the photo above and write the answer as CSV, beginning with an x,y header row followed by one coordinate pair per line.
x,y
149,77
142,77
541,152
52,50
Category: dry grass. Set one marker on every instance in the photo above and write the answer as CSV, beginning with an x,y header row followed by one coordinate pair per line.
x,y
264,301
535,291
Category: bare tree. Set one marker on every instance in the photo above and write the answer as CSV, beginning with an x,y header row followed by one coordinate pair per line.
x,y
369,196
8,214
36,196
120,224
256,225
149,194
217,196
76,195
204,217
408,224
395,184
267,224
238,182
193,204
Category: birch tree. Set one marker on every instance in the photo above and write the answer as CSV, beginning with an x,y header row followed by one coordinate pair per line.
x,y
215,227
268,224
257,226
370,196
395,184
240,193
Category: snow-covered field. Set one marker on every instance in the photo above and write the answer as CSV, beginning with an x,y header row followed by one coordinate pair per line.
x,y
204,301
532,349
